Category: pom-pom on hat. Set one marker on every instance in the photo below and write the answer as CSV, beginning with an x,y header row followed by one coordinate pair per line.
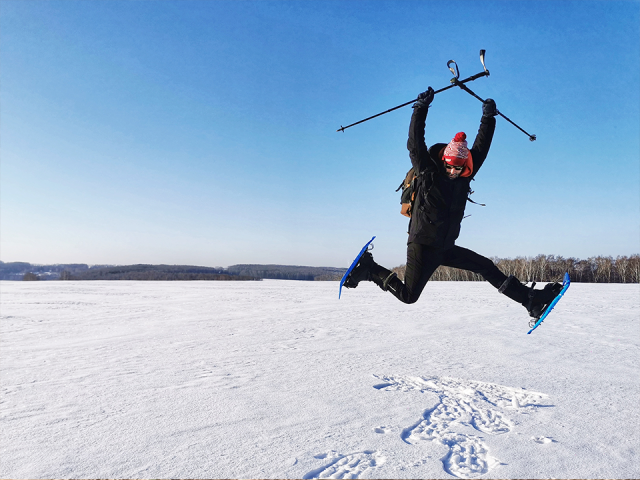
x,y
457,154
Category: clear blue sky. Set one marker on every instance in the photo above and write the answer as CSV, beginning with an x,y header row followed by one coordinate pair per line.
x,y
204,132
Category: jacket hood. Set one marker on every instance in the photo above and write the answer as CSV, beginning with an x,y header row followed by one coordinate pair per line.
x,y
468,162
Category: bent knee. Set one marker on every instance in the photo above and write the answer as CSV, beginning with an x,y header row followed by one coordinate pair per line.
x,y
411,299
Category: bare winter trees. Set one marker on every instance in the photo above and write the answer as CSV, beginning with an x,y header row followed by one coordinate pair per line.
x,y
549,268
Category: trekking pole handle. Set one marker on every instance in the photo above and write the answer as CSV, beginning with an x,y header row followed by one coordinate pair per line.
x,y
457,83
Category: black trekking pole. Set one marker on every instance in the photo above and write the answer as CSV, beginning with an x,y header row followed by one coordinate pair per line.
x,y
457,83
484,73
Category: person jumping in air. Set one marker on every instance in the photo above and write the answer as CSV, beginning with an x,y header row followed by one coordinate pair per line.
x,y
441,190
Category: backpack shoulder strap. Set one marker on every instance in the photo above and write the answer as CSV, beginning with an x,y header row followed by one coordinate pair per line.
x,y
471,192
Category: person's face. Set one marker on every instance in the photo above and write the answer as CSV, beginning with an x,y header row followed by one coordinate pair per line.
x,y
452,171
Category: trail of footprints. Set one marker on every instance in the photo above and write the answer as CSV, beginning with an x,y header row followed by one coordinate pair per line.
x,y
461,403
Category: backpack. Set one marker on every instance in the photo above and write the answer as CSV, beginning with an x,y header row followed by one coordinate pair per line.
x,y
408,196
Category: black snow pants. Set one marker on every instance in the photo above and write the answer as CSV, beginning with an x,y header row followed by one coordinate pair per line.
x,y
423,260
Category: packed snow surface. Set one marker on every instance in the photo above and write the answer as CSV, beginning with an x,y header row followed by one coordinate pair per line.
x,y
280,379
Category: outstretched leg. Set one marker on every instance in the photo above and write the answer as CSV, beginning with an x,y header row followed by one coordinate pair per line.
x,y
421,263
465,259
535,301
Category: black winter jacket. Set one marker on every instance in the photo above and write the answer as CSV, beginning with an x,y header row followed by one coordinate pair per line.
x,y
439,201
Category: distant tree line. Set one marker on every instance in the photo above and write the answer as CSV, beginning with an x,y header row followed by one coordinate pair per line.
x,y
550,268
288,272
155,273
542,268
27,271
17,270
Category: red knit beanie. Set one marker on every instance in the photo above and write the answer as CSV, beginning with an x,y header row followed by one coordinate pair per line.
x,y
457,154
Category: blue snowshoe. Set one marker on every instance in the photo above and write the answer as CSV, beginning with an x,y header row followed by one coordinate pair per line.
x,y
359,270
542,301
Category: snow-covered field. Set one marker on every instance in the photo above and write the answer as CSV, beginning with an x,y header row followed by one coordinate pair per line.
x,y
280,379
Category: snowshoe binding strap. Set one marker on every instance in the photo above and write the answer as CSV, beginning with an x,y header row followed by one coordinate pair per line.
x,y
506,283
386,281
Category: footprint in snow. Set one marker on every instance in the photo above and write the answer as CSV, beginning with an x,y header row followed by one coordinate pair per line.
x,y
543,440
383,429
346,466
463,402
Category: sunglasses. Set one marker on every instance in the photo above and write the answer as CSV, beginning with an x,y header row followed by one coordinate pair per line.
x,y
447,166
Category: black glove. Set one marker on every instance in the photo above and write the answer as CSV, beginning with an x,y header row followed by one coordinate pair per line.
x,y
424,99
489,108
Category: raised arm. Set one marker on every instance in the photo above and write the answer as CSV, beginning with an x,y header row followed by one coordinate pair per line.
x,y
482,143
416,145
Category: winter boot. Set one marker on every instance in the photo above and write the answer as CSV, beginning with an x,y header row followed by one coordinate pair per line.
x,y
535,301
539,300
362,271
515,290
